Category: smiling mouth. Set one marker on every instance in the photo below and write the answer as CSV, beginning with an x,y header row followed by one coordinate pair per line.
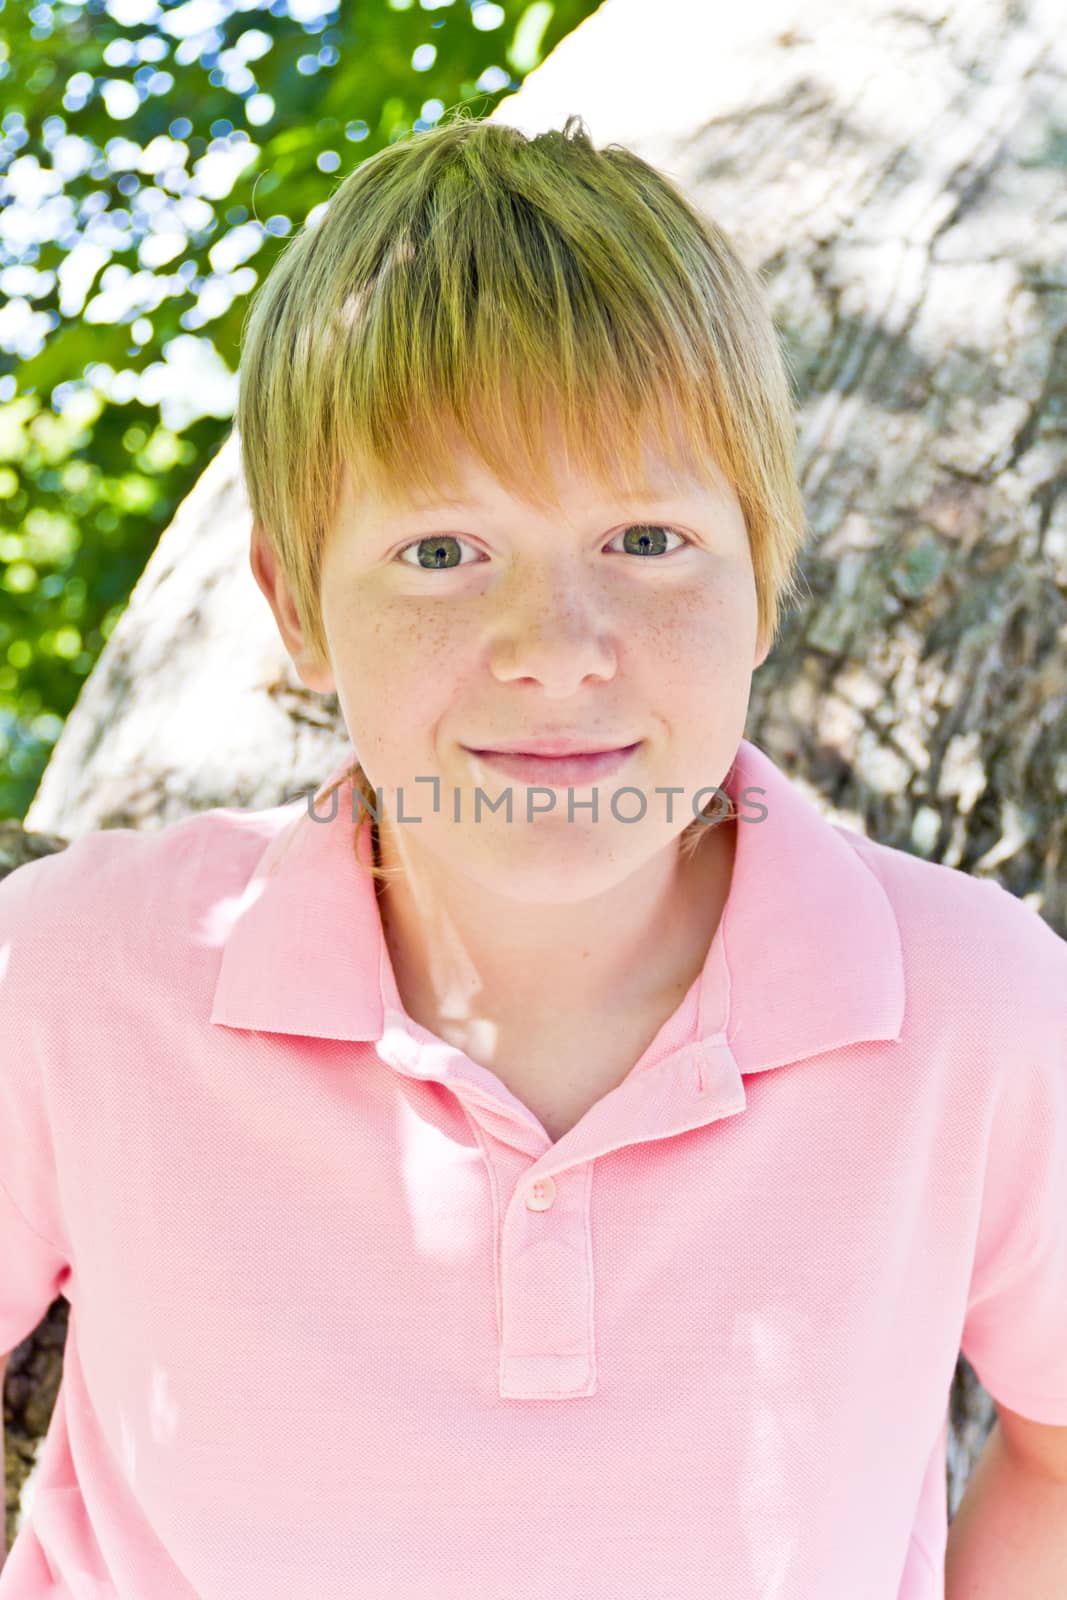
x,y
555,771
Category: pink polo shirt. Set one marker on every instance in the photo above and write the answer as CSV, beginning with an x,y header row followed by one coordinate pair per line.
x,y
345,1322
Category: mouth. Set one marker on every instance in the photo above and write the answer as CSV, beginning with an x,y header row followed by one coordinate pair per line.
x,y
555,772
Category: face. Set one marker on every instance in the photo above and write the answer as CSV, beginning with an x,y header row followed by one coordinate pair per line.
x,y
461,627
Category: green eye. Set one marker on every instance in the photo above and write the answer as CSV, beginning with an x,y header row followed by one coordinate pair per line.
x,y
434,551
647,538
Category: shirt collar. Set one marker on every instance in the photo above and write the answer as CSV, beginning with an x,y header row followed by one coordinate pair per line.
x,y
807,956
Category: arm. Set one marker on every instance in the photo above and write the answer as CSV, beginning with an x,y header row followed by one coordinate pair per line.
x,y
1008,1539
3,1473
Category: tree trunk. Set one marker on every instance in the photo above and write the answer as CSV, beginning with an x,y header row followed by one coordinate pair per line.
x,y
896,175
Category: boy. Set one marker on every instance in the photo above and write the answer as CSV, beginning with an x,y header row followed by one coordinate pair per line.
x,y
587,1195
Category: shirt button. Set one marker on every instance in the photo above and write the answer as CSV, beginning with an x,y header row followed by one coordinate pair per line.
x,y
541,1194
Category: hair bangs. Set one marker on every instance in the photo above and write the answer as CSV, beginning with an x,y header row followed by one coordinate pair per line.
x,y
632,447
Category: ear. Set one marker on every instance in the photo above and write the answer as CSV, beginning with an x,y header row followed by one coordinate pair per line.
x,y
313,673
763,650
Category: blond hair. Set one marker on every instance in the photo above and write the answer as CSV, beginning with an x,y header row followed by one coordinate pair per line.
x,y
467,264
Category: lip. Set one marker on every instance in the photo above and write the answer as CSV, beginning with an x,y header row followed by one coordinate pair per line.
x,y
556,772
561,746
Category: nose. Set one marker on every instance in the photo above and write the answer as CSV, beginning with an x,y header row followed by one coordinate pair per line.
x,y
552,628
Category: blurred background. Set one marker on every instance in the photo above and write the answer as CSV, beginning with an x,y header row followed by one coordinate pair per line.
x,y
153,157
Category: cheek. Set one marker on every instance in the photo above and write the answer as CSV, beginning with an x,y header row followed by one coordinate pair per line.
x,y
702,641
397,669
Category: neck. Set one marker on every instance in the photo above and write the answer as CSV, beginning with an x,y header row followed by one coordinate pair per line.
x,y
462,953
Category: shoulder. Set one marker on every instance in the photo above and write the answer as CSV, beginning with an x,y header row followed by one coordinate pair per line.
x,y
127,887
966,938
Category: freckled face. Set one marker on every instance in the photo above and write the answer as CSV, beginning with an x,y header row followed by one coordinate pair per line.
x,y
473,625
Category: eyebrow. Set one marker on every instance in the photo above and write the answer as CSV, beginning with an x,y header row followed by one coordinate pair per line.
x,y
475,503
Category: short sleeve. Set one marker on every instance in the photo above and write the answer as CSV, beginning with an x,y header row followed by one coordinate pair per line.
x,y
33,1275
34,1266
1015,1332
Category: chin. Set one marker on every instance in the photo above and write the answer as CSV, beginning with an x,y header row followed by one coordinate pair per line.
x,y
559,866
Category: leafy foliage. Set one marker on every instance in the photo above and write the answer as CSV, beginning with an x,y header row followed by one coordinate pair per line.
x,y
150,153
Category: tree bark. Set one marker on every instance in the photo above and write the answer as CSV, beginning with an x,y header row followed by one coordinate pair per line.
x,y
897,177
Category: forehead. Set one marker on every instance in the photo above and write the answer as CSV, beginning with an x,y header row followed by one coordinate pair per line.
x,y
476,488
